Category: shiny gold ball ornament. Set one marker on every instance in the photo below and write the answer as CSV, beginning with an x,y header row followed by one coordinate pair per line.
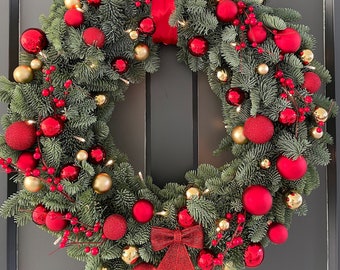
x,y
130,255
237,135
293,200
265,163
320,115
262,69
36,64
23,74
141,51
223,224
222,74
133,34
102,183
307,56
32,184
191,192
100,100
69,4
82,155
315,134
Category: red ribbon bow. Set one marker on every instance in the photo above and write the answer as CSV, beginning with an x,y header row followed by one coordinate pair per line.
x,y
177,255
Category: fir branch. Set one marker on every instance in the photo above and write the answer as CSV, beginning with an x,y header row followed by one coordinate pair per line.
x,y
203,211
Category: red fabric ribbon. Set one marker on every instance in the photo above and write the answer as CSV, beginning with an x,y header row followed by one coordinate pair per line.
x,y
160,12
177,256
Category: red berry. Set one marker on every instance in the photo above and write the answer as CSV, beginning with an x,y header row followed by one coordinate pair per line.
x,y
214,242
95,251
138,4
74,221
53,188
51,170
87,249
241,218
76,230
36,172
60,187
89,233
45,92
68,216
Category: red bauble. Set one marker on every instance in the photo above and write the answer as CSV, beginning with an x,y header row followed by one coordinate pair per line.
x,y
184,219
74,17
277,233
26,161
33,40
257,34
291,169
147,26
95,3
226,11
69,171
115,227
312,82
234,96
20,135
287,116
205,260
288,40
93,36
198,46
39,215
97,154
55,221
258,129
142,211
120,65
257,200
51,126
144,266
253,255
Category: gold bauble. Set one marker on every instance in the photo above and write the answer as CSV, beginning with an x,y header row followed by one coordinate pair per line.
x,y
32,184
102,183
265,164
130,255
82,155
293,200
191,192
320,115
223,224
222,74
36,64
100,100
69,4
307,56
142,52
262,69
238,136
315,134
23,74
134,35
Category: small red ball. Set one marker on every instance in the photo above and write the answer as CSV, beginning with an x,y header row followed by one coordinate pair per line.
x,y
26,161
257,34
39,215
74,17
144,266
253,255
184,219
95,3
258,129
20,135
33,40
312,82
120,65
143,211
147,26
55,221
97,154
69,171
234,96
198,46
226,11
205,260
291,169
51,126
287,117
115,227
277,233
288,40
93,36
257,200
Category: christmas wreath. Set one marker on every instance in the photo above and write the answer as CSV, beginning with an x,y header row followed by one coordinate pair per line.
x,y
77,185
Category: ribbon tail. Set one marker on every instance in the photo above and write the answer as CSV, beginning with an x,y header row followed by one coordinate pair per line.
x,y
176,258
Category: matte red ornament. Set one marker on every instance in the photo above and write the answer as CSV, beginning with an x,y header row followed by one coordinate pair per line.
x,y
55,221
312,82
93,36
39,215
291,169
288,40
97,154
253,255
20,135
147,26
257,34
257,200
142,211
235,96
51,126
198,46
115,227
69,171
95,3
184,219
287,116
226,11
74,17
277,233
26,161
144,266
33,40
120,65
258,129
205,260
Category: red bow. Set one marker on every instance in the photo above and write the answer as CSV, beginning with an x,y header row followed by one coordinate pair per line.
x,y
177,255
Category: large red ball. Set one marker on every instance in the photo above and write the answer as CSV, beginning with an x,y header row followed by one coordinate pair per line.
x,y
33,40
142,211
20,135
185,219
288,40
51,126
55,221
39,215
144,266
74,17
258,129
115,227
226,11
70,172
93,36
312,82
198,46
257,34
257,200
277,233
291,169
253,255
26,161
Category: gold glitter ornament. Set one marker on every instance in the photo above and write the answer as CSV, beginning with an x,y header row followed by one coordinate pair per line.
x,y
238,136
222,74
69,4
320,115
293,200
307,56
102,183
133,34
130,255
191,192
141,51
262,69
315,134
23,74
223,224
82,155
32,184
36,64
265,164
100,100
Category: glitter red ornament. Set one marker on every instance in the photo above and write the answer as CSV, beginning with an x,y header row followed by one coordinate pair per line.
x,y
205,260
184,219
55,221
226,11
288,40
51,126
257,34
234,96
96,154
257,200
144,266
291,169
253,255
93,36
33,40
147,26
258,129
39,215
20,135
198,46
312,82
287,116
95,3
120,65
115,227
74,17
26,161
142,211
277,233
70,172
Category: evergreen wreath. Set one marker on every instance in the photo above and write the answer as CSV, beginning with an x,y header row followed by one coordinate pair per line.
x,y
78,186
